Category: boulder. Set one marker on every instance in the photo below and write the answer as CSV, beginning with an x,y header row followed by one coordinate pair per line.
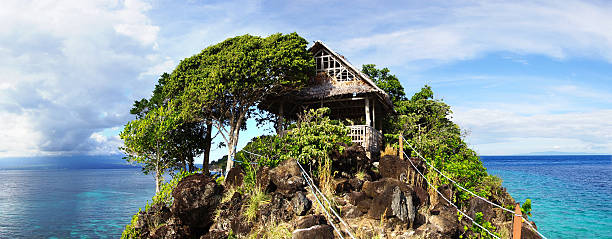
x,y
356,183
392,166
356,197
393,202
287,178
314,232
195,199
234,177
376,188
301,204
157,214
352,159
309,221
341,185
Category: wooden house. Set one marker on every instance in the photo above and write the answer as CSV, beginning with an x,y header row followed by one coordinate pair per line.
x,y
348,93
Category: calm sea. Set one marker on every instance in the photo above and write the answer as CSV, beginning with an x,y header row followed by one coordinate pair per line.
x,y
571,197
80,203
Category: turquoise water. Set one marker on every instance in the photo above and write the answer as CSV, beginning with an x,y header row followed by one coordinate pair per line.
x,y
83,203
571,195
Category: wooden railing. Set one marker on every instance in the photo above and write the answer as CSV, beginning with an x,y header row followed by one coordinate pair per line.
x,y
367,136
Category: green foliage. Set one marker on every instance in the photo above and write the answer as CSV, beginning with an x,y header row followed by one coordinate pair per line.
x,y
146,141
225,81
385,81
310,141
257,198
130,232
526,207
479,231
165,194
426,124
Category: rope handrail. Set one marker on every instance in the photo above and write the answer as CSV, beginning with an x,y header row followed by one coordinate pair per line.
x,y
453,181
472,193
318,193
311,182
447,200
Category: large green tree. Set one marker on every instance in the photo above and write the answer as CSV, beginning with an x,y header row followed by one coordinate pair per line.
x,y
146,141
188,140
226,81
426,124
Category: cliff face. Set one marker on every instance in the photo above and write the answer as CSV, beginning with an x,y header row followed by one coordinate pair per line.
x,y
391,201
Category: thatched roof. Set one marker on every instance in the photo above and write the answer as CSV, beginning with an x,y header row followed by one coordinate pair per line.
x,y
336,78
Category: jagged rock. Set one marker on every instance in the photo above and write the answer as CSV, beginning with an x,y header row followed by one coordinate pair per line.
x,y
351,160
393,202
351,212
356,183
392,166
356,197
195,199
364,205
444,220
301,204
341,185
309,221
264,180
374,189
314,232
157,214
401,206
171,231
287,178
278,209
234,177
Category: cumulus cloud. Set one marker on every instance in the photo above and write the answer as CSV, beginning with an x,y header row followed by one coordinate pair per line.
x,y
499,131
70,69
468,29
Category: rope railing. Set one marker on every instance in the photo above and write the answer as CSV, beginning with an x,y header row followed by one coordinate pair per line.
x,y
311,182
461,187
447,200
317,193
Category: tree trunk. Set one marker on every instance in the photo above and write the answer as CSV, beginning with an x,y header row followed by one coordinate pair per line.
x,y
157,178
207,144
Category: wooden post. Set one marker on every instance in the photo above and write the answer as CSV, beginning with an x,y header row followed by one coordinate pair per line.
x,y
401,147
374,114
367,111
517,223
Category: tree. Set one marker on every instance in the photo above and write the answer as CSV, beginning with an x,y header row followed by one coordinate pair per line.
x,y
426,124
188,140
227,80
387,82
145,141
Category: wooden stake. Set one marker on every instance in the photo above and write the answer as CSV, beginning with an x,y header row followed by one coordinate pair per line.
x,y
518,222
401,147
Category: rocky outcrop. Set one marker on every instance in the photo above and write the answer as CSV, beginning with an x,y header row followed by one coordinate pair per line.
x,y
390,204
195,199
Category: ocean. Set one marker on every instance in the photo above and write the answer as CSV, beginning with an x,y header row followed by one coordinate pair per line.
x,y
75,203
571,197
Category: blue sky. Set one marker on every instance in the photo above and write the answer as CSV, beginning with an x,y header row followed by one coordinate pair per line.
x,y
521,76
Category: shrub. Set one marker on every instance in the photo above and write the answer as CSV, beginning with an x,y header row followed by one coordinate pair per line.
x,y
526,207
130,232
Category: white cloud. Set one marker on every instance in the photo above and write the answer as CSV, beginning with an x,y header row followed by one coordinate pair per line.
x,y
69,69
472,28
497,131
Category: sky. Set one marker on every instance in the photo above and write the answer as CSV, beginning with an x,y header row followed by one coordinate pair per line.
x,y
520,76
